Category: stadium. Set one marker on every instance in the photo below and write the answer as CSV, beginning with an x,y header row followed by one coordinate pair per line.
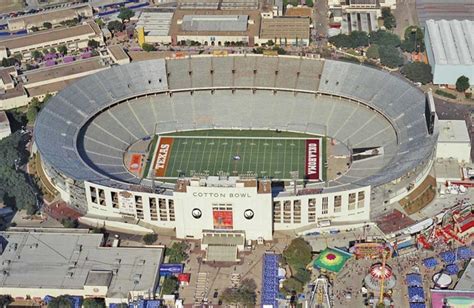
x,y
237,146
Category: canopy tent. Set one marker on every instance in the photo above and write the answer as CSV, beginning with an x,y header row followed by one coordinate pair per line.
x,y
332,259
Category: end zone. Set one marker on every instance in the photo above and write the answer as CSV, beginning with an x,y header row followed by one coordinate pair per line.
x,y
313,160
163,152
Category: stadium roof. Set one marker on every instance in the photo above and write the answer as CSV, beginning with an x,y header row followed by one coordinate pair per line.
x,y
214,23
443,9
69,261
451,41
466,282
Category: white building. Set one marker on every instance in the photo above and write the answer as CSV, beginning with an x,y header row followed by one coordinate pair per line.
x,y
73,38
450,50
156,25
36,264
5,130
454,141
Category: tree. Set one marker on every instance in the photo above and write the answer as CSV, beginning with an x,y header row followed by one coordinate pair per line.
x,y
292,285
413,40
270,43
33,108
62,49
5,300
115,25
93,44
303,275
170,285
8,62
177,252
125,14
47,25
99,22
462,84
148,47
390,56
384,38
418,72
36,54
52,50
62,301
298,254
353,40
34,29
373,52
150,238
93,303
70,223
243,295
389,21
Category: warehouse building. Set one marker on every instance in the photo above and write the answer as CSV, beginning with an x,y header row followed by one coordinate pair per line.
x,y
73,37
215,28
40,264
54,17
450,50
285,31
453,141
156,26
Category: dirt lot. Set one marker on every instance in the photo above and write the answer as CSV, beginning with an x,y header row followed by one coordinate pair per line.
x,y
10,5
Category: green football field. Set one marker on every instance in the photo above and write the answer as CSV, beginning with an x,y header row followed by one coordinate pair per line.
x,y
272,157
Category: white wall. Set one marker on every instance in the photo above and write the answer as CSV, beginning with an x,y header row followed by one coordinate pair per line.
x,y
239,199
456,150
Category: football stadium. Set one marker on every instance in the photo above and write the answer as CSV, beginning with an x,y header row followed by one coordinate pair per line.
x,y
208,145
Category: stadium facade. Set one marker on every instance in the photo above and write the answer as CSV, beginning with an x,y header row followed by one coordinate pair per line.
x,y
387,125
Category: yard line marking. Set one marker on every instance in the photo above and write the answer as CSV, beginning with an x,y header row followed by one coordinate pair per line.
x,y
189,157
178,145
215,159
203,153
271,160
243,156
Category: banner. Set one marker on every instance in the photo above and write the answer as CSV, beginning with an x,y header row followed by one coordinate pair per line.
x,y
135,162
312,159
162,155
222,219
171,269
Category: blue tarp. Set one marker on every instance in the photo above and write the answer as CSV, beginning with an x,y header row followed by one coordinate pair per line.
x,y
270,280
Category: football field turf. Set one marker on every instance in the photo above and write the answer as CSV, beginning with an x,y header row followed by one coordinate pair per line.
x,y
244,156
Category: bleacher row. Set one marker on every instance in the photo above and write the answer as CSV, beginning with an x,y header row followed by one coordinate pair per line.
x,y
270,281
84,121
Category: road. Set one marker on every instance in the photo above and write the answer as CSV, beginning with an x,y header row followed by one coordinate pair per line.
x,y
320,19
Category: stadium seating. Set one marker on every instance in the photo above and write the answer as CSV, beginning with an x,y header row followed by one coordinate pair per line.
x,y
85,129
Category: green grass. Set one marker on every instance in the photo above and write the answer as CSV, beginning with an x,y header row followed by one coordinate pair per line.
x,y
151,149
239,133
324,141
445,94
264,157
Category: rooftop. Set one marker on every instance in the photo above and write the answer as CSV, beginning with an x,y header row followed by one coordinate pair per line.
x,y
252,23
74,260
63,70
155,23
49,15
117,52
215,23
466,282
453,131
51,35
451,41
442,9
289,27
